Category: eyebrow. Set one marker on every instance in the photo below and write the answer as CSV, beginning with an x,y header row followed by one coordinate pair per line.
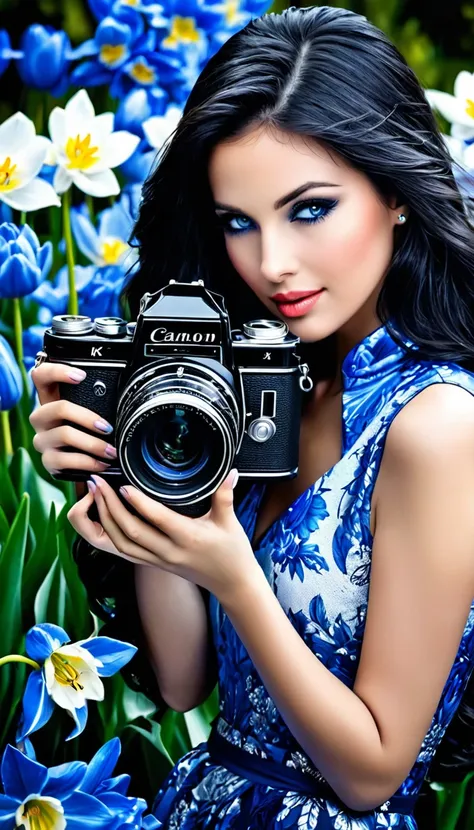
x,y
285,199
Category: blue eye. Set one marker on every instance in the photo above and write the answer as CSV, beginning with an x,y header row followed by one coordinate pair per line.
x,y
234,223
312,210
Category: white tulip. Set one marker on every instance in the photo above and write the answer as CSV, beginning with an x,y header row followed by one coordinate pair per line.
x,y
159,127
22,155
71,677
87,147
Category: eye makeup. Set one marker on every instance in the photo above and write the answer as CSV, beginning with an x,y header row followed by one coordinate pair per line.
x,y
316,209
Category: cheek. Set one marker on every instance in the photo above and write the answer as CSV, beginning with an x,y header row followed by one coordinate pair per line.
x,y
243,257
360,240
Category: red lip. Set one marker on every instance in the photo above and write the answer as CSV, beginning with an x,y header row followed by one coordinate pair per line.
x,y
293,295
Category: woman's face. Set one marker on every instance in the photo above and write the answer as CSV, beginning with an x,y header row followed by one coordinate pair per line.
x,y
299,219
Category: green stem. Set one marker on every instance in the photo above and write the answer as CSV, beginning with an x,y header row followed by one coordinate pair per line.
x,y
23,217
18,335
18,658
90,207
73,305
6,433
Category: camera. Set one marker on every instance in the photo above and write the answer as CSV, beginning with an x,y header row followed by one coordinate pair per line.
x,y
188,397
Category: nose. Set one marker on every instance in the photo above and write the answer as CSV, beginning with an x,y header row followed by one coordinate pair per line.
x,y
278,257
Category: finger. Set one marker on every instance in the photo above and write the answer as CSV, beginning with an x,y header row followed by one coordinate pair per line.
x,y
67,436
54,413
47,376
54,461
121,542
91,531
177,527
133,527
223,499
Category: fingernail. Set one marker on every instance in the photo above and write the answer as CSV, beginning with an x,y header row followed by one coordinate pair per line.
x,y
104,426
124,492
97,480
77,375
235,478
91,487
111,451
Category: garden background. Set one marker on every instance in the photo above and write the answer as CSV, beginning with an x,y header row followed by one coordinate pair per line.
x,y
64,246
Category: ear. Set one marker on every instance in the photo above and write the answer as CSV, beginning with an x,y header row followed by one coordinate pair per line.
x,y
398,210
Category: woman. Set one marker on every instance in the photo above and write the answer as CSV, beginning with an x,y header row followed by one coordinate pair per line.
x,y
308,161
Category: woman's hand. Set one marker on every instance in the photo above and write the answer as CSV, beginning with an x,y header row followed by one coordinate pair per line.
x,y
212,551
51,433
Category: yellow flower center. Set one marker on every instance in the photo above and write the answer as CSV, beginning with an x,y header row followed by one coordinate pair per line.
x,y
183,30
143,73
7,181
470,107
130,2
65,673
110,54
40,813
113,250
231,7
80,153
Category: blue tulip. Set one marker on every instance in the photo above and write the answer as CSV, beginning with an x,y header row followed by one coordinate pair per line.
x,y
98,290
69,675
24,264
139,105
47,53
32,343
6,52
149,8
74,794
110,47
10,377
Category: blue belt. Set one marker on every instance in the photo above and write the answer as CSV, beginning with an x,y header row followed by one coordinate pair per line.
x,y
272,774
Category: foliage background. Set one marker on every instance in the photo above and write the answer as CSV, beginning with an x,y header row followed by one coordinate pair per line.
x,y
438,42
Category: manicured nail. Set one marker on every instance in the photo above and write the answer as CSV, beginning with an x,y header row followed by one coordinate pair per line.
x,y
104,426
91,487
124,492
77,375
235,478
111,451
97,480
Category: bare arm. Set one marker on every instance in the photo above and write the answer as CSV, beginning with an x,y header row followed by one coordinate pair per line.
x,y
174,620
366,739
172,610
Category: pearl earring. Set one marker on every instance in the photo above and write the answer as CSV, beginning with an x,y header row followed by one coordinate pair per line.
x,y
402,218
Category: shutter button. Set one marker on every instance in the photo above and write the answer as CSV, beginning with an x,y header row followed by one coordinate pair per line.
x,y
261,429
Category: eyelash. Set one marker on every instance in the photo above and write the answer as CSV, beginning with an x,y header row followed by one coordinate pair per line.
x,y
327,205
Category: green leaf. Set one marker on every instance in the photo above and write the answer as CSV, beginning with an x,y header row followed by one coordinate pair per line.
x,y
197,725
136,704
39,563
4,526
11,571
174,734
154,736
42,493
50,600
451,805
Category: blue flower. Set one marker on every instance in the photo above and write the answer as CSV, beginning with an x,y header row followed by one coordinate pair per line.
x,y
24,264
10,377
46,54
32,343
6,52
138,106
69,675
98,289
109,244
75,794
111,47
150,8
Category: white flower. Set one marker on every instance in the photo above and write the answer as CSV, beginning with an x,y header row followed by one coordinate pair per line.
x,y
458,109
159,127
87,148
71,677
22,155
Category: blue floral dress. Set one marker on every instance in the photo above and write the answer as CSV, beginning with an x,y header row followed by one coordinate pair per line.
x,y
316,556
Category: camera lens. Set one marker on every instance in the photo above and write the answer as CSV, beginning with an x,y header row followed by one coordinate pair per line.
x,y
171,449
178,425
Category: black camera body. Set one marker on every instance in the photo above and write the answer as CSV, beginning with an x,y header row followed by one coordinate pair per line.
x,y
188,397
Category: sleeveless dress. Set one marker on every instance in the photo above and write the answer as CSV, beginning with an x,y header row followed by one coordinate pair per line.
x,y
317,557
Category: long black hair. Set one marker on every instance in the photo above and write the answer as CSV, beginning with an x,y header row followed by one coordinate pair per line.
x,y
328,74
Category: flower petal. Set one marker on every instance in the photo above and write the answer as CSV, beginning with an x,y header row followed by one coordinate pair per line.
x,y
102,765
62,180
80,718
37,194
118,147
30,160
57,127
43,639
464,85
8,808
113,654
103,126
80,114
15,133
100,184
37,705
21,775
65,778
85,235
453,109
83,810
